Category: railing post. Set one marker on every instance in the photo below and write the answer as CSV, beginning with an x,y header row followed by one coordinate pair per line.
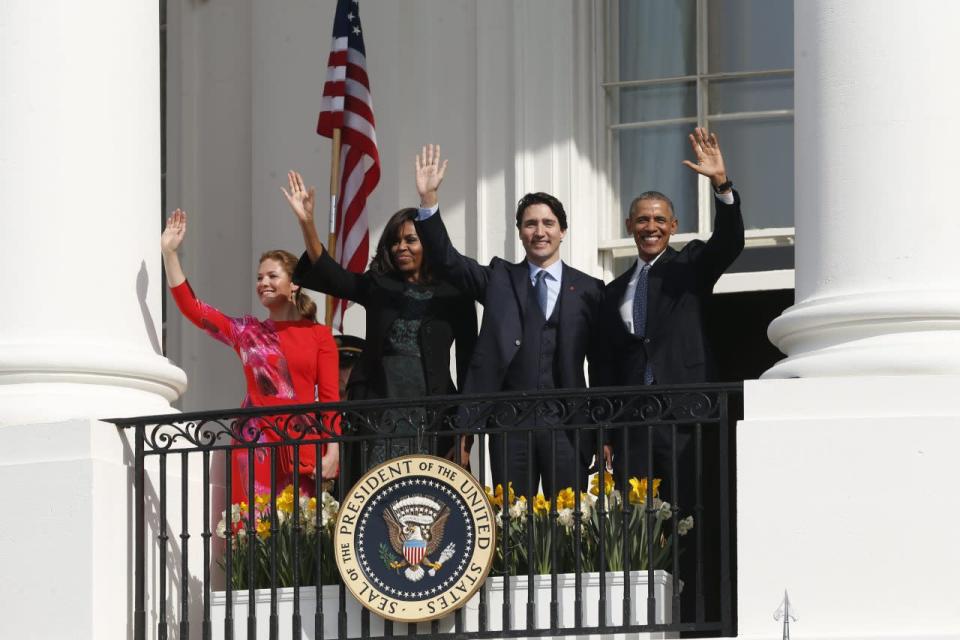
x,y
184,547
140,578
726,586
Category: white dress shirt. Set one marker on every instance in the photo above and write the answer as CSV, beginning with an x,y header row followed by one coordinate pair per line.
x,y
554,273
425,212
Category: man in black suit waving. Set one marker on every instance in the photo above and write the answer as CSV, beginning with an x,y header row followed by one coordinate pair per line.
x,y
541,321
653,313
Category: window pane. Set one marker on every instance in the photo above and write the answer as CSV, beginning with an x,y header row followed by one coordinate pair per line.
x,y
759,94
759,159
657,39
750,35
638,104
650,160
623,263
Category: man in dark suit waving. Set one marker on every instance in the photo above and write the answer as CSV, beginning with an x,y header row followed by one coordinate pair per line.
x,y
541,321
653,313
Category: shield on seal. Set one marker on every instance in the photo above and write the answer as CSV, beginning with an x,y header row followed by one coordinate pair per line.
x,y
414,550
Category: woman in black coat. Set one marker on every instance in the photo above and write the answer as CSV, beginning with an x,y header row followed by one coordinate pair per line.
x,y
412,320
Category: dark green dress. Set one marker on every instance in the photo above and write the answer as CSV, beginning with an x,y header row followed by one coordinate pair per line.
x,y
403,375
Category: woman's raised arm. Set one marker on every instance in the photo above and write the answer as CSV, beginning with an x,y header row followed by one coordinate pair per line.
x,y
170,241
302,201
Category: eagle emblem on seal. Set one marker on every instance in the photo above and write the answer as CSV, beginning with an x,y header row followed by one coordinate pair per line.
x,y
415,525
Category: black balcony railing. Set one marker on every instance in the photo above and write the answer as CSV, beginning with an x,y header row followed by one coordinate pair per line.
x,y
655,554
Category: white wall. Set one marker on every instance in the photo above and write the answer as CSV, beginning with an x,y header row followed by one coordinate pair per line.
x,y
846,498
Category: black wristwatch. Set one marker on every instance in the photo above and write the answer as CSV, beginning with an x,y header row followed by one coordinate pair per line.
x,y
726,186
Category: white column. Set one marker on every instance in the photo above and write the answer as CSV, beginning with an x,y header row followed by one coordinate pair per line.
x,y
878,283
80,212
846,458
80,312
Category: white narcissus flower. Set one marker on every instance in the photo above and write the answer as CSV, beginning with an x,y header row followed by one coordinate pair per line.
x,y
306,513
565,517
329,502
499,518
330,508
222,528
664,511
684,525
613,499
235,514
519,508
586,505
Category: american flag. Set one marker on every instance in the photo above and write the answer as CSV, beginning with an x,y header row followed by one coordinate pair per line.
x,y
347,106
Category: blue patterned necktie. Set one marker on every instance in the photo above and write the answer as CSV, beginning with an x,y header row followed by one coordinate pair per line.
x,y
640,315
540,288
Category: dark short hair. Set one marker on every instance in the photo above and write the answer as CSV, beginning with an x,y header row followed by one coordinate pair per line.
x,y
650,195
542,198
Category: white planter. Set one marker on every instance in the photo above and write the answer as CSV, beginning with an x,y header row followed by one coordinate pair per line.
x,y
663,593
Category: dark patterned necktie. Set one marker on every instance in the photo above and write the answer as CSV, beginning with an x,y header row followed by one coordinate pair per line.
x,y
540,288
640,315
640,302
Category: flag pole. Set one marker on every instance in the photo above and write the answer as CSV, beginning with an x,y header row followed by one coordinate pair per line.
x,y
334,194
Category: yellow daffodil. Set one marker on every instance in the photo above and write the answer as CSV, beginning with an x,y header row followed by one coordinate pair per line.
x,y
607,483
566,499
541,506
496,498
285,500
493,498
263,529
638,490
261,500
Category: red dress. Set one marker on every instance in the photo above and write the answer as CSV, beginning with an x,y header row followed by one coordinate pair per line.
x,y
284,362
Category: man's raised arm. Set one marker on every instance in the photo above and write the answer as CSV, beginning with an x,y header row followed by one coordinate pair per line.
x,y
727,240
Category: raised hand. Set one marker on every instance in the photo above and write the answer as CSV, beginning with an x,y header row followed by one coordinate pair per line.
x,y
174,232
429,174
709,159
300,198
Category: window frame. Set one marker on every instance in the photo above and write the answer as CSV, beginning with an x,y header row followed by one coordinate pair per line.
x,y
611,245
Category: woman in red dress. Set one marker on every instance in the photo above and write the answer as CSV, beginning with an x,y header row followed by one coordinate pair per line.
x,y
287,359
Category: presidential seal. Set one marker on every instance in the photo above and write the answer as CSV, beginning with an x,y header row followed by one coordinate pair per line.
x,y
414,539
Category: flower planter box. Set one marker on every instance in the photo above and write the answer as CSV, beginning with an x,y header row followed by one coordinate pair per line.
x,y
566,589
